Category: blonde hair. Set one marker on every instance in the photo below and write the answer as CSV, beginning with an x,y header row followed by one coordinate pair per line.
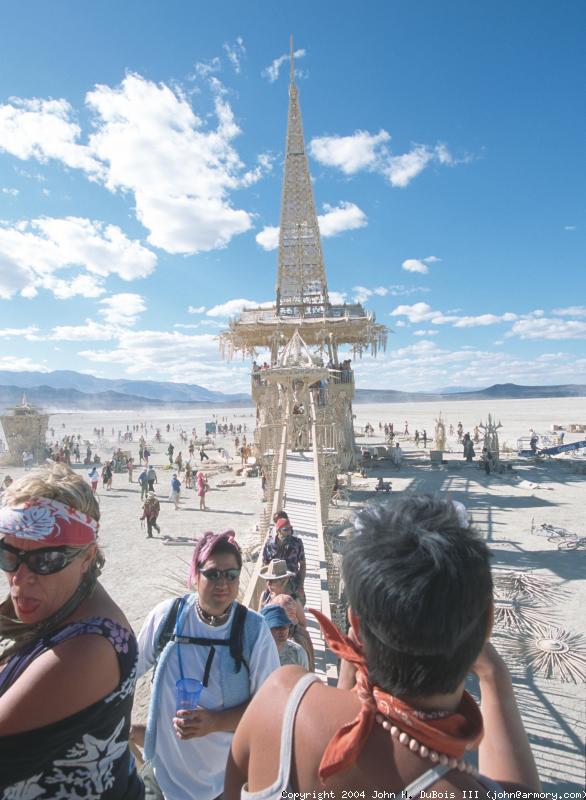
x,y
56,482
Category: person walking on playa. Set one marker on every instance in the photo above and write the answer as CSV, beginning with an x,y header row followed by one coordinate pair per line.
x,y
203,455
107,476
201,486
130,468
170,451
151,479
175,491
93,478
143,483
150,513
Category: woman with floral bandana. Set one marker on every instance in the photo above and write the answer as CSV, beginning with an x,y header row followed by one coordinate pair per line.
x,y
67,653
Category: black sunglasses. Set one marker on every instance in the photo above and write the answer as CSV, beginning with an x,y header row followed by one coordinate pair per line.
x,y
45,561
214,575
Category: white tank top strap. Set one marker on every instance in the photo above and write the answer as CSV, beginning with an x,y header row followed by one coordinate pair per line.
x,y
286,751
424,781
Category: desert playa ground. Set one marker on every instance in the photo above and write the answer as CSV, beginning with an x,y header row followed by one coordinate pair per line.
x,y
508,509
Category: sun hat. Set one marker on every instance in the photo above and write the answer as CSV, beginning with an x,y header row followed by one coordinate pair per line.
x,y
275,570
275,616
282,523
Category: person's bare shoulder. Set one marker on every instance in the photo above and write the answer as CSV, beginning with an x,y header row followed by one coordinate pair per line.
x,y
61,682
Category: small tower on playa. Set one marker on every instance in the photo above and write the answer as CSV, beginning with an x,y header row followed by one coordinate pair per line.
x,y
304,390
25,429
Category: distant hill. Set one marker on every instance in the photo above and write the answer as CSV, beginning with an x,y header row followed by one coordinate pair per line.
x,y
67,380
70,391
504,391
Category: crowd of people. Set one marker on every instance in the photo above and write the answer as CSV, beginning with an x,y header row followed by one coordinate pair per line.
x,y
223,718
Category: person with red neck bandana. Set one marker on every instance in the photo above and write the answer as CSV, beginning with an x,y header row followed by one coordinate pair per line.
x,y
419,586
67,653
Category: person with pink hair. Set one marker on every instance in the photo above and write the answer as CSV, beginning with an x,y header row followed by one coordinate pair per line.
x,y
210,638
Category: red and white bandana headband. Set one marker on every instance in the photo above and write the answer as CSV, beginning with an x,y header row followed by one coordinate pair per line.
x,y
50,522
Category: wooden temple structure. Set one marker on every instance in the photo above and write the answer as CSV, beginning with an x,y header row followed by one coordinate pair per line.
x,y
304,434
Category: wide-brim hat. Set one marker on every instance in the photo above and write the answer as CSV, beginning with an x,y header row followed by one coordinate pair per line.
x,y
275,570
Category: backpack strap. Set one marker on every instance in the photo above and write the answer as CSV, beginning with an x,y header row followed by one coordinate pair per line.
x,y
235,642
167,629
237,637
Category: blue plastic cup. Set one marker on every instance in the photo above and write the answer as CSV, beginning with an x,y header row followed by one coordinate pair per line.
x,y
187,693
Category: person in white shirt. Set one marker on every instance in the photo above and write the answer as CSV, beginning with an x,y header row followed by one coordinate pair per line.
x,y
210,637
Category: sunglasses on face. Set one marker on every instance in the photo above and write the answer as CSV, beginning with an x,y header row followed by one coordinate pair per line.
x,y
214,575
45,561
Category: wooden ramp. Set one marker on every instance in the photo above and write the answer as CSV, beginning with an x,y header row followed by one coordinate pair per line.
x,y
301,504
300,498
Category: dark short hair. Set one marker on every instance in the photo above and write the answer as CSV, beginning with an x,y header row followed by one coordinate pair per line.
x,y
420,582
280,515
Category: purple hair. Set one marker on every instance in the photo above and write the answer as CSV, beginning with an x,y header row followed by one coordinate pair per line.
x,y
207,545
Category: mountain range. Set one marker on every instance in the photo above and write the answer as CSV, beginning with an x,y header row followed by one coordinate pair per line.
x,y
69,390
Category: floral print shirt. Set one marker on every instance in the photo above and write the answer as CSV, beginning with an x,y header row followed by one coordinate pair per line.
x,y
85,756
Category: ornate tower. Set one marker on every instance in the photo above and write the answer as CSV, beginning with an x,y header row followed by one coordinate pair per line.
x,y
304,394
301,279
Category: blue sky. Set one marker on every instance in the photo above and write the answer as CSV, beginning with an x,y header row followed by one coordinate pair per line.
x,y
141,156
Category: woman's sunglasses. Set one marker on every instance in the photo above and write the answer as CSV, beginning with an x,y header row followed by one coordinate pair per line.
x,y
214,575
45,561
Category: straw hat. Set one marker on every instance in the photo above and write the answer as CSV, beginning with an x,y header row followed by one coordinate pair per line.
x,y
276,570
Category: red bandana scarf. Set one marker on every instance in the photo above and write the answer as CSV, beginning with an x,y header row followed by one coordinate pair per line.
x,y
452,735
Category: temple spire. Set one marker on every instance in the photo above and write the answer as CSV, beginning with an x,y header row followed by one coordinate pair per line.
x,y
301,282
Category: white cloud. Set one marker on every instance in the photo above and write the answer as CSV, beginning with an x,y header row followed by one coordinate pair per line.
x,y
368,151
401,170
335,219
418,312
196,309
343,217
174,356
431,259
570,311
425,365
544,328
21,364
91,331
425,333
361,293
235,53
31,251
44,129
10,191
272,72
8,333
415,265
233,307
338,298
203,69
268,238
422,312
181,173
569,227
122,309
350,154
83,285
400,290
